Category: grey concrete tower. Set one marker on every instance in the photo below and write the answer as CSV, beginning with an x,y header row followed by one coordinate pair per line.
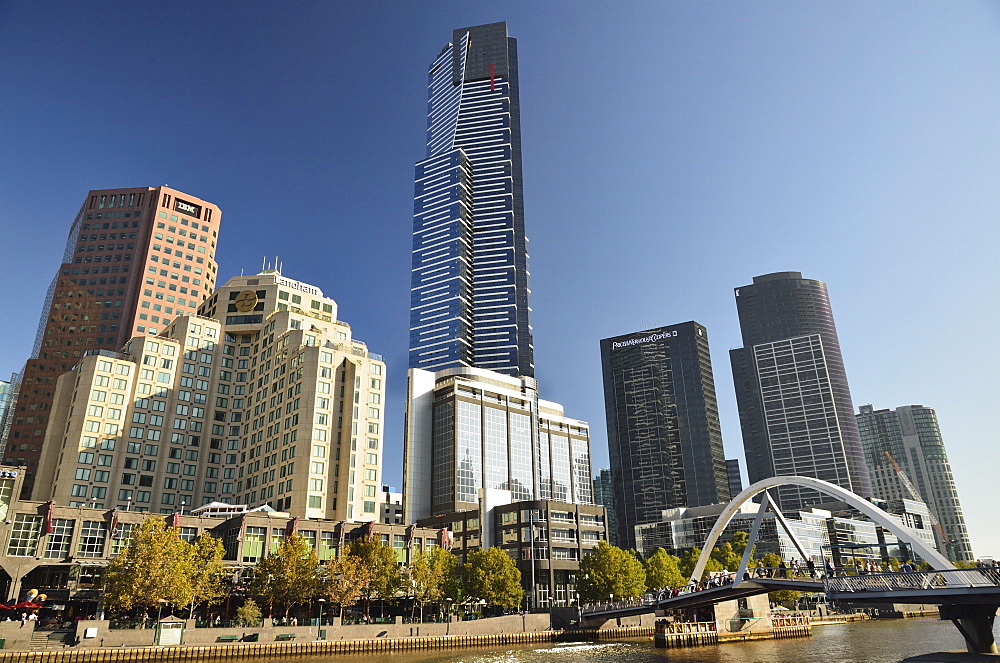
x,y
791,389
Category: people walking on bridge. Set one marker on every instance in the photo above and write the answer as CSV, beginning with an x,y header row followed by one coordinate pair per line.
x,y
811,565
796,570
782,570
831,570
759,571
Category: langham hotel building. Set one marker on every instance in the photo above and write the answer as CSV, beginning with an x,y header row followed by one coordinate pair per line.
x,y
262,398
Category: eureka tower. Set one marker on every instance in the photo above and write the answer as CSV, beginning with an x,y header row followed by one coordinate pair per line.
x,y
469,290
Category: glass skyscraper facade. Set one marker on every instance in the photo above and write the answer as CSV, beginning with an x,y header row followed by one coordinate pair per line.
x,y
795,406
470,430
912,437
664,437
469,291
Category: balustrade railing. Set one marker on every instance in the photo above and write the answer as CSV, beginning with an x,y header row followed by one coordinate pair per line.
x,y
916,581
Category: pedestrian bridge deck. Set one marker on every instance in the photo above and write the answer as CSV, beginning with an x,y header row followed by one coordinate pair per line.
x,y
950,586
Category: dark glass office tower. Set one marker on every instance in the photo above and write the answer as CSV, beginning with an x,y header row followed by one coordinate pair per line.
x,y
469,292
604,494
791,389
664,438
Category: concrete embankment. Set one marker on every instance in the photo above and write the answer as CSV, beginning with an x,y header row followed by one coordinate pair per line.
x,y
94,642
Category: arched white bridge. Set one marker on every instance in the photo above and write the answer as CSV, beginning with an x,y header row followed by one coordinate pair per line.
x,y
936,560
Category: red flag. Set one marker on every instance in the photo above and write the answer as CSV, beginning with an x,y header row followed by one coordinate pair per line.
x,y
48,517
175,520
239,536
446,538
371,529
114,524
291,527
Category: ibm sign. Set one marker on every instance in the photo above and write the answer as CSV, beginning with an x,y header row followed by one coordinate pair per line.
x,y
185,207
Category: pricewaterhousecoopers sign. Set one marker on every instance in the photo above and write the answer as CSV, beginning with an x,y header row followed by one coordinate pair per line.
x,y
645,339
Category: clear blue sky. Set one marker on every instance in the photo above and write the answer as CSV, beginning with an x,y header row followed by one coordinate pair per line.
x,y
672,151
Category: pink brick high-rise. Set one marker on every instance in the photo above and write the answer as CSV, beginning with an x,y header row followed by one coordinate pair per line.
x,y
134,259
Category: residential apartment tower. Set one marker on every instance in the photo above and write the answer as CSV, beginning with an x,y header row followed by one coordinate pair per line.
x,y
909,438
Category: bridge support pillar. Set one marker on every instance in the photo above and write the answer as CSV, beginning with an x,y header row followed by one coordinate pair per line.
x,y
975,623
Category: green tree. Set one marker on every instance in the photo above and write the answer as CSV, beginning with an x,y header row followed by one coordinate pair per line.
x,y
434,576
385,580
726,556
450,568
492,576
154,568
289,576
690,558
248,615
208,573
610,571
662,571
739,542
345,578
771,560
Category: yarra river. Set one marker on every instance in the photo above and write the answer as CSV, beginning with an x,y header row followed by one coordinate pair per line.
x,y
885,641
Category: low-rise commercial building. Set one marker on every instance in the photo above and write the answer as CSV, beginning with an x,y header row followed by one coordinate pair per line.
x,y
61,551
547,539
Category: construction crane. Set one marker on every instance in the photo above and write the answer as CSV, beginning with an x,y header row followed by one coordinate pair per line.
x,y
911,489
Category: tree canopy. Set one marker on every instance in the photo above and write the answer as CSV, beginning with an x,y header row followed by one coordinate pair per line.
x,y
610,571
156,567
385,579
345,578
662,571
289,576
492,576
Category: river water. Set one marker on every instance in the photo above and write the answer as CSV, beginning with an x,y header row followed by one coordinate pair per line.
x,y
886,641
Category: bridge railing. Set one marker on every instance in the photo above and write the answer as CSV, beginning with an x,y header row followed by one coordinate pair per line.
x,y
715,581
915,581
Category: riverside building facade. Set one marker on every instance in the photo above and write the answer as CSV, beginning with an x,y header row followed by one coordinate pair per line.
x,y
263,398
909,437
470,430
469,291
664,435
794,402
62,550
134,259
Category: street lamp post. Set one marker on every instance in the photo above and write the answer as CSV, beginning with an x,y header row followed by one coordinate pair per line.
x,y
320,626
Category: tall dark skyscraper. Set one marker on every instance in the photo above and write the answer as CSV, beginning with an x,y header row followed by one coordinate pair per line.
x,y
664,438
469,291
791,388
